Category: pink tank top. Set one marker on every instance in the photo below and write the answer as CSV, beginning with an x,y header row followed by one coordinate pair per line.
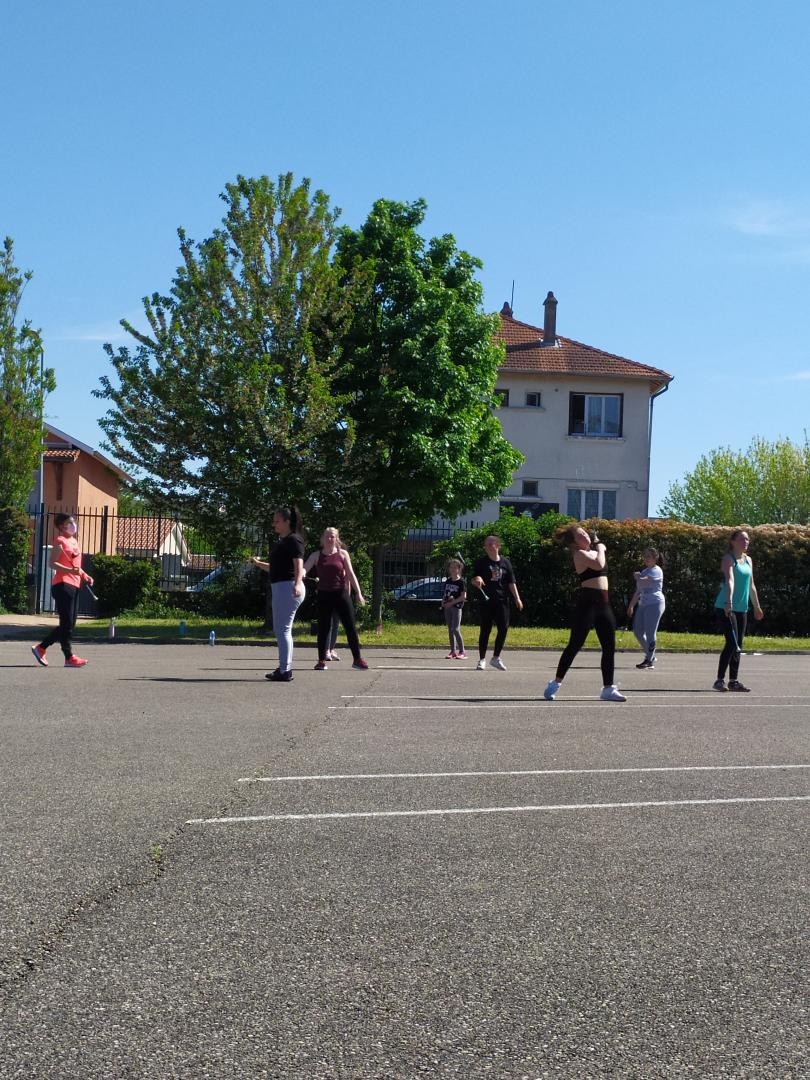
x,y
331,573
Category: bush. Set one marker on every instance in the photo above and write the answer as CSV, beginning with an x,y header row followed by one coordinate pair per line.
x,y
690,557
14,546
122,584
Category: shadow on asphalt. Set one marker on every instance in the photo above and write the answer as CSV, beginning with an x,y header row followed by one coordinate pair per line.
x,y
174,678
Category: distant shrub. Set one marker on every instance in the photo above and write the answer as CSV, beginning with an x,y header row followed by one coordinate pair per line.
x,y
14,541
123,584
690,557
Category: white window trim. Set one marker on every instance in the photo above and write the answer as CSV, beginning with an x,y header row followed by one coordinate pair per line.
x,y
593,487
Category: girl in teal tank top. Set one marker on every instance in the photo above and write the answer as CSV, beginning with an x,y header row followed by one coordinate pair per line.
x,y
736,592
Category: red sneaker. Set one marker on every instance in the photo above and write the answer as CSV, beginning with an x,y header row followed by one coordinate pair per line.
x,y
75,661
461,656
39,655
360,664
451,656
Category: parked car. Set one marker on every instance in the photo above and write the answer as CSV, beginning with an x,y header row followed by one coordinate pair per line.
x,y
242,570
430,588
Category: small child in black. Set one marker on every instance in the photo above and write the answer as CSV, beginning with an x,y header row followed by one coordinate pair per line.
x,y
455,593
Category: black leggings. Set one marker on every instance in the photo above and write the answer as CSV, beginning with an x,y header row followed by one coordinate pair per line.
x,y
730,656
497,612
330,601
592,610
66,598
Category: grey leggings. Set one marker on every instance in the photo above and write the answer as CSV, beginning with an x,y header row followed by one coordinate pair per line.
x,y
645,625
285,605
452,617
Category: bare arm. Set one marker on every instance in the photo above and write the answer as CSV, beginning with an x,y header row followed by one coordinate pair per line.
x,y
758,613
590,559
727,569
311,561
353,582
513,589
262,565
298,580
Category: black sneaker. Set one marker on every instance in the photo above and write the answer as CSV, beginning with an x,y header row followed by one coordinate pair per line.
x,y
737,687
719,685
280,676
645,664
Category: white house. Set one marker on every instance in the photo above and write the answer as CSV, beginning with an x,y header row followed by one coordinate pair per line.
x,y
583,419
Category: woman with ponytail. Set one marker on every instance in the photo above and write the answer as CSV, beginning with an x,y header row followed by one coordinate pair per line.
x,y
286,569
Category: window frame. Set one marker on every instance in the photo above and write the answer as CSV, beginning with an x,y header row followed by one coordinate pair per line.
x,y
581,515
502,393
533,404
524,484
585,434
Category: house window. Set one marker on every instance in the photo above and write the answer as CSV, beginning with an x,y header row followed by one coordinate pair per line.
x,y
591,502
533,400
502,397
595,414
530,488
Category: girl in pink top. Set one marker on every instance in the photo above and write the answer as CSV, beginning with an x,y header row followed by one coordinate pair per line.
x,y
66,561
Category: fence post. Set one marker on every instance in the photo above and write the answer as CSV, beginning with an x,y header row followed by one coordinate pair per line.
x,y
38,559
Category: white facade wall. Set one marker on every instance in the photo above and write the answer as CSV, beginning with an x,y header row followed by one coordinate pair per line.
x,y
559,462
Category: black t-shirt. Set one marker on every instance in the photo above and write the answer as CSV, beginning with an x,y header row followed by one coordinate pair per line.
x,y
288,548
453,589
497,576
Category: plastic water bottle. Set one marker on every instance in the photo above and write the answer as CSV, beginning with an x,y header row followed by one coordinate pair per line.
x,y
111,630
212,638
181,629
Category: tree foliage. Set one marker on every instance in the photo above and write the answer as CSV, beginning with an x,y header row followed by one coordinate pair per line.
x,y
767,484
418,369
22,388
225,407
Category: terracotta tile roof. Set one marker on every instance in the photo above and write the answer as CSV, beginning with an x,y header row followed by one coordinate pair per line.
x,y
61,455
202,562
142,534
525,352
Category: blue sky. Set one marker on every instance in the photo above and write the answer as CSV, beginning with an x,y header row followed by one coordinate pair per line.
x,y
647,162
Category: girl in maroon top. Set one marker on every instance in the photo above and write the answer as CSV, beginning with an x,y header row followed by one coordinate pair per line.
x,y
333,568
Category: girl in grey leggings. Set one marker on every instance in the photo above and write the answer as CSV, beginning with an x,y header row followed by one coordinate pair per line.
x,y
649,598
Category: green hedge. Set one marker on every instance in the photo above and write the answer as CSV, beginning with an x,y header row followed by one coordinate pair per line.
x,y
14,541
691,557
121,584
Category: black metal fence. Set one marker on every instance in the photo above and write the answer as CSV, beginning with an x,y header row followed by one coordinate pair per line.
x,y
186,555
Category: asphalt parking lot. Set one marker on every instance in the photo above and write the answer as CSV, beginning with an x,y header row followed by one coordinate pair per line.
x,y
417,871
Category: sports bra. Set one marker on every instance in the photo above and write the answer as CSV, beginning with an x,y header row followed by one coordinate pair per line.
x,y
589,574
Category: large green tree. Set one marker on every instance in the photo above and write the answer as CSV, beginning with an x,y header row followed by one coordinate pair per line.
x,y
769,483
23,387
418,367
226,407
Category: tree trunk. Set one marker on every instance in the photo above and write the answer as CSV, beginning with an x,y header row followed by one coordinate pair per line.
x,y
377,555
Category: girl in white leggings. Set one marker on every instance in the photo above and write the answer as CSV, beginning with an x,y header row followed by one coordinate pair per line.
x,y
648,603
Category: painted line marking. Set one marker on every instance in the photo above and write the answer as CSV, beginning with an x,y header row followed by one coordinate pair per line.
x,y
529,697
540,703
498,810
518,772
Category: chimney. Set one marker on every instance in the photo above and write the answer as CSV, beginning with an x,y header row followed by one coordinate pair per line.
x,y
506,309
550,320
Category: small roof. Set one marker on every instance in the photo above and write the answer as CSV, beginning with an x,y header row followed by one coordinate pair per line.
x,y
61,436
525,351
142,533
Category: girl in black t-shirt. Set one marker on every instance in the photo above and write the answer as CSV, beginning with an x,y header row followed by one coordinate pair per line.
x,y
495,577
453,597
286,569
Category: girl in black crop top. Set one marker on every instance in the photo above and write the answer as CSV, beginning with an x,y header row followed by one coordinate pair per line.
x,y
592,610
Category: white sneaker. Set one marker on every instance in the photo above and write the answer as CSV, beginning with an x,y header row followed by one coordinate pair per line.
x,y
481,665
550,691
611,693
496,662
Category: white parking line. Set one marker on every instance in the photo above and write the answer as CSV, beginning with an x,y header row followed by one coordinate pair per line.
x,y
575,704
518,772
534,697
497,810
